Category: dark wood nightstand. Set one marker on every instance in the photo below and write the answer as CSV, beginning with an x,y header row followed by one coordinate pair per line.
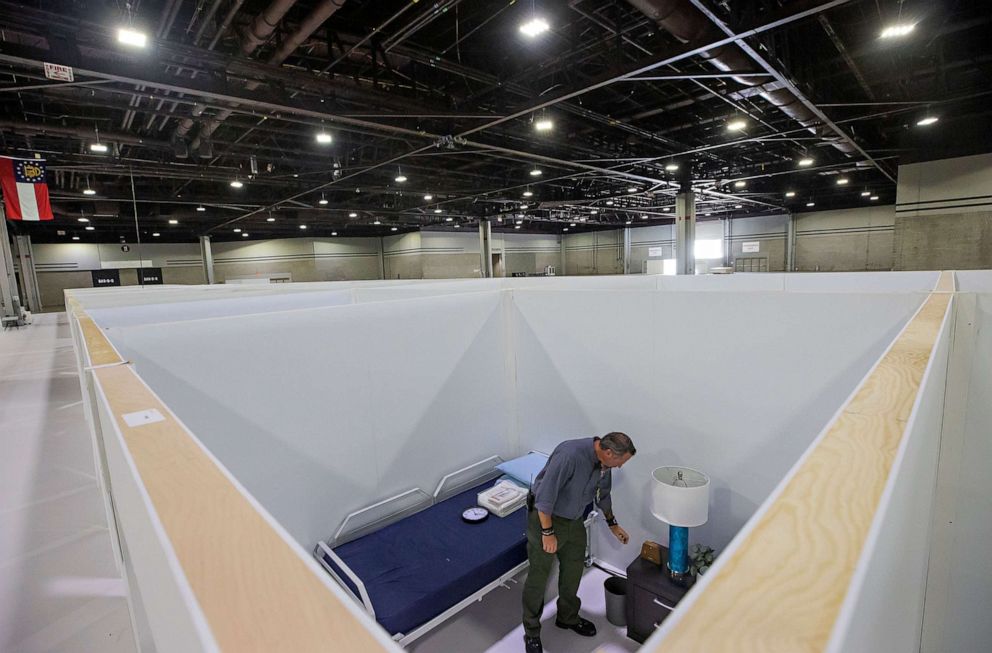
x,y
651,596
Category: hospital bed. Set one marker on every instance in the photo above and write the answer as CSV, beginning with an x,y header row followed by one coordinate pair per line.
x,y
413,563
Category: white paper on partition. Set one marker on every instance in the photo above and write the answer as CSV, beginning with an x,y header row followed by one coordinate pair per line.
x,y
736,385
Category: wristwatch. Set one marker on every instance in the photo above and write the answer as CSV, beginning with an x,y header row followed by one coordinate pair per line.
x,y
546,532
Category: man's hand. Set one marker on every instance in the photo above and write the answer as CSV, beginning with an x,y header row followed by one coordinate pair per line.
x,y
550,543
620,534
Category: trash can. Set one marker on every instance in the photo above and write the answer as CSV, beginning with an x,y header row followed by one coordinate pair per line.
x,y
616,600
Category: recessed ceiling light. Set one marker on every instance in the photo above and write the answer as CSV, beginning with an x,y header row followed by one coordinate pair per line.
x,y
438,211
534,27
270,219
82,219
896,30
806,161
90,228
89,191
740,184
528,193
449,219
536,172
173,221
544,125
428,197
873,198
672,167
75,237
843,181
736,125
237,231
323,138
237,184
810,203
201,208
156,234
132,37
352,215
929,120
790,193
99,148
303,226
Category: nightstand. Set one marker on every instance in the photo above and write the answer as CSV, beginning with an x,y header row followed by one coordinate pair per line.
x,y
651,596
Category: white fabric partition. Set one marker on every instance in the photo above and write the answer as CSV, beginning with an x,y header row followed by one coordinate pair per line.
x,y
736,385
974,280
320,412
883,610
228,306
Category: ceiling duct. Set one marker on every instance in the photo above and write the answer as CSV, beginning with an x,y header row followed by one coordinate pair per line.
x,y
689,25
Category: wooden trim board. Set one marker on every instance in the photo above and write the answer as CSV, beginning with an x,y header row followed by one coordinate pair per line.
x,y
782,589
99,349
255,591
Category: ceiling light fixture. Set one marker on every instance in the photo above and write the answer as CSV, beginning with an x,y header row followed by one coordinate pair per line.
x,y
865,193
929,120
90,228
270,219
244,235
594,211
237,184
565,229
629,222
738,206
131,37
805,162
736,125
528,193
516,227
873,198
843,181
377,222
89,191
572,224
77,237
82,219
458,226
428,197
156,234
632,189
400,177
98,148
449,219
334,233
544,125
393,229
303,226
534,27
322,201
173,221
740,184
671,167
201,209
790,193
536,172
896,30
438,211
810,203
609,203
237,231
352,215
324,138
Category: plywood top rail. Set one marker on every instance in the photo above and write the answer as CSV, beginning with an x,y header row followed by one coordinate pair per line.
x,y
99,349
782,586
256,592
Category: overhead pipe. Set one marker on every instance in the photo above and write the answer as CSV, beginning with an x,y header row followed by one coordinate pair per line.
x,y
310,24
689,25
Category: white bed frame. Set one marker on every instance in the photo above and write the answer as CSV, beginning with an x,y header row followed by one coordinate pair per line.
x,y
381,514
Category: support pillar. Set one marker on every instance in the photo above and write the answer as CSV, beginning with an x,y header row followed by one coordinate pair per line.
x,y
561,241
8,282
626,250
31,295
685,233
790,245
207,256
382,259
486,248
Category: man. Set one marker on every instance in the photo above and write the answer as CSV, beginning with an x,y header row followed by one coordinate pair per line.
x,y
577,473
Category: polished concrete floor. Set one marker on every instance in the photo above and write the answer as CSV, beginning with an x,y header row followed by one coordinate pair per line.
x,y
60,589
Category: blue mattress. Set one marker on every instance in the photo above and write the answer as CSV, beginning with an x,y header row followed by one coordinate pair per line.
x,y
420,566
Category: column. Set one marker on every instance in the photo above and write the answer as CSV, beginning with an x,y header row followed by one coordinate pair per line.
x,y
382,258
486,248
29,279
561,241
685,232
8,283
207,256
626,250
790,245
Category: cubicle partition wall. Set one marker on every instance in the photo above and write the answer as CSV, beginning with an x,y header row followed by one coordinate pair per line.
x,y
277,416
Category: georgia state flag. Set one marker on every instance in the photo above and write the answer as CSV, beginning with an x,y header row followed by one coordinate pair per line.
x,y
25,192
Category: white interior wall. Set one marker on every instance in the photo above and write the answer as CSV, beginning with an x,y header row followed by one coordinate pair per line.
x,y
734,384
323,411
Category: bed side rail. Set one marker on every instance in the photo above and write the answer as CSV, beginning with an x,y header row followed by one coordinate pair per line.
x,y
335,566
467,476
380,514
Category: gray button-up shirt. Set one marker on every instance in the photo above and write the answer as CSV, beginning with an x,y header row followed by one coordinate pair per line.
x,y
570,479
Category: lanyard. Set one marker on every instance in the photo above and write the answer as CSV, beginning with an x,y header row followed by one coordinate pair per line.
x,y
599,485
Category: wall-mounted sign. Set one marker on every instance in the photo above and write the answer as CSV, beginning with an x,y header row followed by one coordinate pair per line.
x,y
751,247
125,248
151,276
103,278
655,252
58,72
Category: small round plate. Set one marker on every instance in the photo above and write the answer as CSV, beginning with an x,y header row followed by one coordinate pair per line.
x,y
475,515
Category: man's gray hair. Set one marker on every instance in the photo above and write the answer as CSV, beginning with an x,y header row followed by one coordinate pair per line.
x,y
619,443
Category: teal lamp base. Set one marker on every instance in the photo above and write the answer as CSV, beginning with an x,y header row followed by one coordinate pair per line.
x,y
678,555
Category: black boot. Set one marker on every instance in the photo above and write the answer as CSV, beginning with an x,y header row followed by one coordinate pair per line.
x,y
583,627
533,644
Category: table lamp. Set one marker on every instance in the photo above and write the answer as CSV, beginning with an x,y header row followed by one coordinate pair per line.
x,y
680,497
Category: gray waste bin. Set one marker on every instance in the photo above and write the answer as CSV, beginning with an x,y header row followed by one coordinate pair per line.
x,y
616,600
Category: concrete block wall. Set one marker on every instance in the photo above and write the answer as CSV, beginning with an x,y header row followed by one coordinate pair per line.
x,y
596,252
845,240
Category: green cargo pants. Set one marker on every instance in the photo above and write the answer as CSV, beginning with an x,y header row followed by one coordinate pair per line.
x,y
571,534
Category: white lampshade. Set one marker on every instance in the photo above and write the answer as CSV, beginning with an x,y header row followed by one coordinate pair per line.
x,y
680,496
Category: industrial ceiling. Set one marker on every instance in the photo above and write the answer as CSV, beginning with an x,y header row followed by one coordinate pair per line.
x,y
372,117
